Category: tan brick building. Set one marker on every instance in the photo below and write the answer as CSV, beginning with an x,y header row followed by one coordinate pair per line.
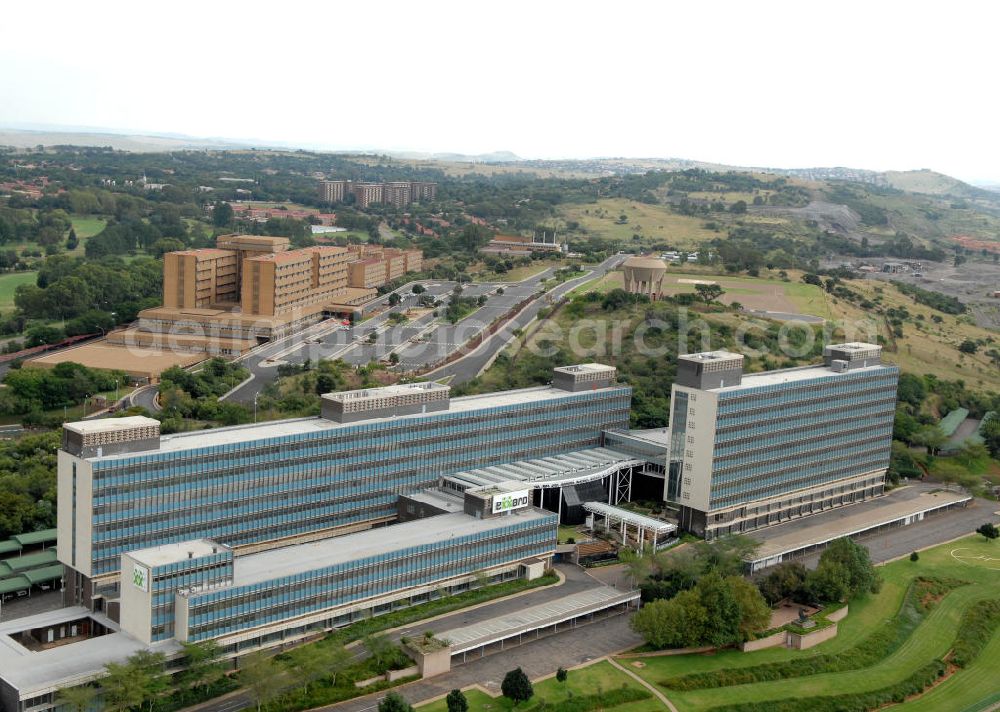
x,y
196,279
367,273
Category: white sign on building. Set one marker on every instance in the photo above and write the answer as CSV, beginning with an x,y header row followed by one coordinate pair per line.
x,y
509,501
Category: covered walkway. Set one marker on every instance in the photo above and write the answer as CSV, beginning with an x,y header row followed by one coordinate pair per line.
x,y
645,527
484,638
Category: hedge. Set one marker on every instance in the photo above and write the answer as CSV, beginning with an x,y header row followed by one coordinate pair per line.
x,y
586,703
975,630
880,644
915,684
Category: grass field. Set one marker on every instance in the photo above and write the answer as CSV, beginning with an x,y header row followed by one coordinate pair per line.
x,y
767,293
85,228
654,223
581,681
972,559
10,282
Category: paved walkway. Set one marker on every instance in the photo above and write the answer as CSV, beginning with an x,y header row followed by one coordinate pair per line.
x,y
659,695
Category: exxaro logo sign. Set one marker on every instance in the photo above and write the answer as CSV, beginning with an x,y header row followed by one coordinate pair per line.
x,y
140,577
510,500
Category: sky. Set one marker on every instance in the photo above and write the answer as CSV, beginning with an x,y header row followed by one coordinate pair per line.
x,y
877,84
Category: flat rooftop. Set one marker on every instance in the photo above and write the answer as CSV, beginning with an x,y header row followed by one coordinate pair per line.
x,y
302,558
35,672
107,425
437,498
850,520
317,425
791,375
535,617
586,368
656,436
171,553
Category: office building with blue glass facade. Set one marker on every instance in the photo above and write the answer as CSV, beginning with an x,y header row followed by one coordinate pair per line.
x,y
750,450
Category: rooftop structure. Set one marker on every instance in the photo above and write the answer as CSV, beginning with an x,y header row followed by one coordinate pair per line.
x,y
402,399
584,376
88,438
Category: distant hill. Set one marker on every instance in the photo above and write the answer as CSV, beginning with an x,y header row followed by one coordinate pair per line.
x,y
930,183
121,142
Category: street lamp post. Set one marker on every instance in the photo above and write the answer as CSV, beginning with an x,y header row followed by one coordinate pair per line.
x,y
255,396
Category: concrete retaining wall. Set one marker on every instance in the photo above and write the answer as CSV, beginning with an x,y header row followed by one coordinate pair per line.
x,y
771,641
803,642
838,615
394,675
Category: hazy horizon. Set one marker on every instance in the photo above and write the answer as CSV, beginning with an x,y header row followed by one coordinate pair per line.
x,y
890,86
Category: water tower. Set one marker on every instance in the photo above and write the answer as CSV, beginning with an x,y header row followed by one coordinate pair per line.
x,y
644,275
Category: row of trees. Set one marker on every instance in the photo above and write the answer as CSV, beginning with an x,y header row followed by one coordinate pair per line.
x,y
697,595
844,572
143,681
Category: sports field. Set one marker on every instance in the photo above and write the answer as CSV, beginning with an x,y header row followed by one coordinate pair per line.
x,y
11,281
973,561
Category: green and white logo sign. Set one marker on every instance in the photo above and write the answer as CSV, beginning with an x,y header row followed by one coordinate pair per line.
x,y
511,500
140,577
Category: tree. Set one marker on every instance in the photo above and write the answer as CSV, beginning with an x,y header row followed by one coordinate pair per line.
x,y
989,531
222,214
676,623
786,580
148,672
202,665
968,347
721,609
309,663
77,699
456,701
120,690
516,686
845,570
261,675
638,565
708,293
394,702
931,437
380,648
72,242
419,289
394,299
739,207
914,556
561,675
755,614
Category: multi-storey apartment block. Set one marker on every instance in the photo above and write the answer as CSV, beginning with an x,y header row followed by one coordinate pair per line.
x,y
396,193
749,450
251,288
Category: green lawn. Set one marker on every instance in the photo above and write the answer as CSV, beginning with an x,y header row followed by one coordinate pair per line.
x,y
582,681
85,227
10,282
88,226
933,638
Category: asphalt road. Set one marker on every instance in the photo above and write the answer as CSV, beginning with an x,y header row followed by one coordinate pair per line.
x,y
561,649
419,343
470,366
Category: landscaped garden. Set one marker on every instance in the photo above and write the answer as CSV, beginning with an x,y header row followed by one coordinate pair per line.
x,y
934,628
